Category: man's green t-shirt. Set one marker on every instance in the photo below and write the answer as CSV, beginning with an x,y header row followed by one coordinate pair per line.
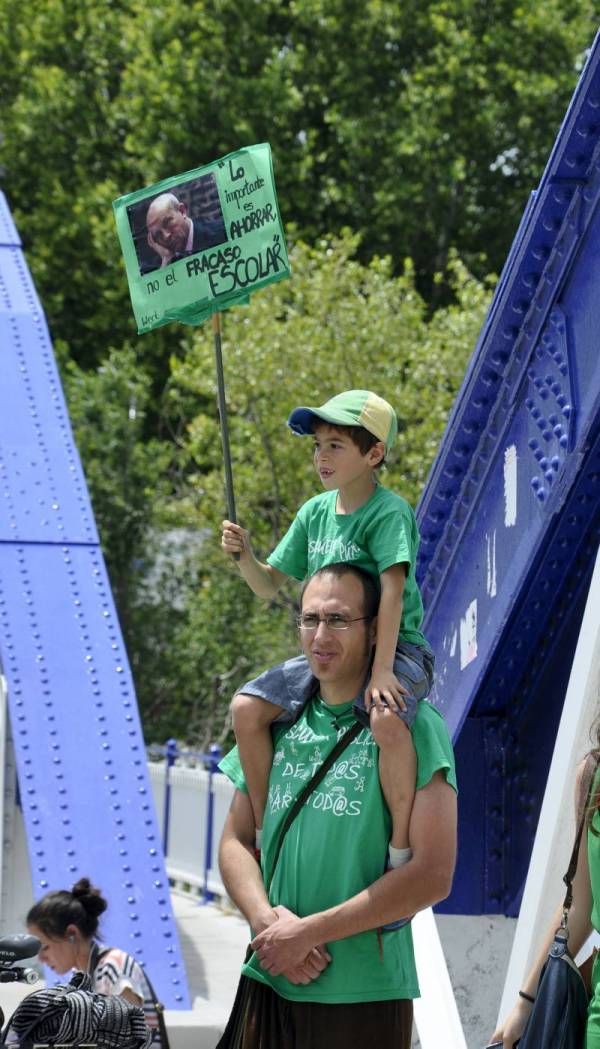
x,y
337,845
381,533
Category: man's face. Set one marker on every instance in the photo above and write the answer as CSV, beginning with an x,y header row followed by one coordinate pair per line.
x,y
168,226
338,658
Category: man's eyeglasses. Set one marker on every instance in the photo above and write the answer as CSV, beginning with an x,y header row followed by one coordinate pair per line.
x,y
309,621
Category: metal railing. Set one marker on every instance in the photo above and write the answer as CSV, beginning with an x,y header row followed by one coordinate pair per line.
x,y
192,799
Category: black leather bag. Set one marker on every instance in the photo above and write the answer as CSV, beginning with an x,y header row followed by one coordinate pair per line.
x,y
559,1014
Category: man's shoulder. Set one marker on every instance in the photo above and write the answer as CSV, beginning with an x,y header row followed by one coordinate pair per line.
x,y
208,232
207,224
428,715
231,766
433,745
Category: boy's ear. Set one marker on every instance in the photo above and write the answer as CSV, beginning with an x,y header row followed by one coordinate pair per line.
x,y
376,454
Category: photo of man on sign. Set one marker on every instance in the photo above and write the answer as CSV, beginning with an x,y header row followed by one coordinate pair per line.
x,y
176,224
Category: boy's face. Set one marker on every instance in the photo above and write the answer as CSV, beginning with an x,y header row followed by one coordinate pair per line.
x,y
338,461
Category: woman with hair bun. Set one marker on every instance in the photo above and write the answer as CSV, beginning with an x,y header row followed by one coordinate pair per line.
x,y
66,923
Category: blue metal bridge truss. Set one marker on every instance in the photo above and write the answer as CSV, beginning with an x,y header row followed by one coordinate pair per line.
x,y
510,517
81,760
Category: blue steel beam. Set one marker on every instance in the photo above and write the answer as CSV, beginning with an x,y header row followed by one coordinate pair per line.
x,y
510,515
87,802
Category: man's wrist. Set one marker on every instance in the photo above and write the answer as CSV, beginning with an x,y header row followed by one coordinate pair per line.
x,y
313,927
261,918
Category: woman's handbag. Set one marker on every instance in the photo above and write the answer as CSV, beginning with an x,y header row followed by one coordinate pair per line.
x,y
558,1017
559,1014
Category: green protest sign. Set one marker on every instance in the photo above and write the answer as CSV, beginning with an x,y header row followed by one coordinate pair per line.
x,y
197,243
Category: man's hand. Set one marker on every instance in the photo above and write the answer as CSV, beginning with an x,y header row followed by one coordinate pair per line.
x,y
235,539
313,966
165,254
284,948
384,690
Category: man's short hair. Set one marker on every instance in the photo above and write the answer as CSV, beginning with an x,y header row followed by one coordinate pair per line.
x,y
370,584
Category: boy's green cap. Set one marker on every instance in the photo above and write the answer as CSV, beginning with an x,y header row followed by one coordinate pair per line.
x,y
351,408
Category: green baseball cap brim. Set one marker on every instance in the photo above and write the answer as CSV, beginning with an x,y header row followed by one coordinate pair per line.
x,y
351,408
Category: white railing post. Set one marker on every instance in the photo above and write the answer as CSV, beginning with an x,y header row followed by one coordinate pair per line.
x,y
436,1014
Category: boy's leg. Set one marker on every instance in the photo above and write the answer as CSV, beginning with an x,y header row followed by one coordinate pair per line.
x,y
397,770
413,667
279,694
397,775
252,718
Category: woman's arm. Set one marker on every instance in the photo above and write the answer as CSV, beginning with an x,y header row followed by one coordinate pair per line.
x,y
580,927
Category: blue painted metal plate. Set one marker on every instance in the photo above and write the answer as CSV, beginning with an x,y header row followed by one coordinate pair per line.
x,y
81,758
9,236
510,518
87,804
43,494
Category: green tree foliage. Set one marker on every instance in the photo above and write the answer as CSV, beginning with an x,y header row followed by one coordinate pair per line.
x,y
127,471
423,126
338,324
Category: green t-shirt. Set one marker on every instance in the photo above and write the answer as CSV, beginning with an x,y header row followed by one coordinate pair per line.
x,y
593,844
381,533
337,845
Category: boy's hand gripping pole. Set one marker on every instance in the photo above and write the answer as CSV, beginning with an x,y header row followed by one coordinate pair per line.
x,y
216,326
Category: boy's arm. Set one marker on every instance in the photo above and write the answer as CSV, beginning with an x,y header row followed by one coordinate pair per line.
x,y
384,684
262,578
423,881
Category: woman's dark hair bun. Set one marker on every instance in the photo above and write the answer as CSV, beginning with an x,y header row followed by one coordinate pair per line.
x,y
89,897
81,906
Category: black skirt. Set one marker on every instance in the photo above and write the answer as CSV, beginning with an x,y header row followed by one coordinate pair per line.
x,y
262,1019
